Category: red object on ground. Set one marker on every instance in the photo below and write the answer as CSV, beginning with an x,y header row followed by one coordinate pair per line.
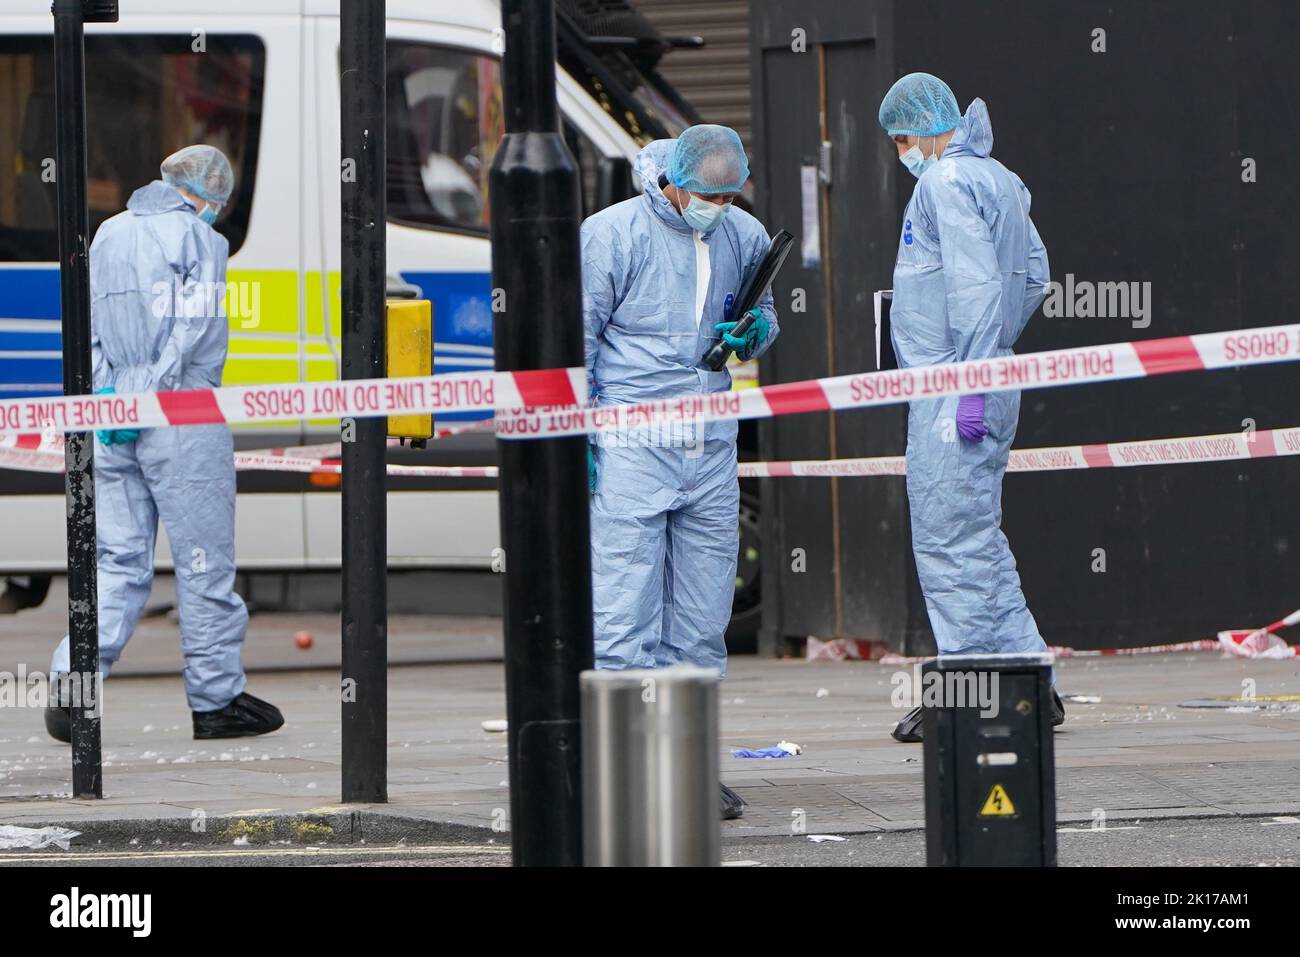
x,y
303,640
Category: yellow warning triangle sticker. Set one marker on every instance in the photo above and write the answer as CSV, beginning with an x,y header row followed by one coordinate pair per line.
x,y
998,803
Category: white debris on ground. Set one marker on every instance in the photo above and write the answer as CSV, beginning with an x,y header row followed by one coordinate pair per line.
x,y
14,838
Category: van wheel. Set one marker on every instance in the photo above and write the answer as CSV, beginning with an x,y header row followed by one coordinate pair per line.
x,y
747,606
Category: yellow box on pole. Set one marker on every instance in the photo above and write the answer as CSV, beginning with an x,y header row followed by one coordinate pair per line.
x,y
408,328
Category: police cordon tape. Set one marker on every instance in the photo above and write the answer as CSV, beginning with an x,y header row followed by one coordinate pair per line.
x,y
32,453
296,401
546,402
1227,446
1061,367
45,453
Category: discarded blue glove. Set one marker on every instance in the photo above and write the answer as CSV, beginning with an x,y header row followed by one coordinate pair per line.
x,y
754,335
761,753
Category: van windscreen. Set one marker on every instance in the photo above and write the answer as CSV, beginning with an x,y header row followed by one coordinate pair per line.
x,y
146,97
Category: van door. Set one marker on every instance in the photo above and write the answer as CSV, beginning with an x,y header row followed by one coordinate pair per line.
x,y
443,125
265,301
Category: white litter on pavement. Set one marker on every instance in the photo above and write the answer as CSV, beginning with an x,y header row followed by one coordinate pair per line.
x,y
823,838
790,747
496,725
13,837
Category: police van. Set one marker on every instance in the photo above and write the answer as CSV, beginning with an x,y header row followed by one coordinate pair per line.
x,y
259,79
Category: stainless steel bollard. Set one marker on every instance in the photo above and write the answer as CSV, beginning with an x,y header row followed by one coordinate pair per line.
x,y
650,768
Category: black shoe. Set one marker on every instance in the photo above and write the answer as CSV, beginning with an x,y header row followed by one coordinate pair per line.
x,y
242,718
58,722
908,730
1058,710
733,805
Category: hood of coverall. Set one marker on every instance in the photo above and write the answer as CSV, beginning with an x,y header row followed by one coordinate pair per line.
x,y
157,198
649,165
974,136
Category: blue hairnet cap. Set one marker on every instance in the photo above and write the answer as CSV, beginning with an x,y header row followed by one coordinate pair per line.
x,y
201,170
708,159
919,105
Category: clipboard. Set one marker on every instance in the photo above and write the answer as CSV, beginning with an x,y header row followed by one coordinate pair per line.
x,y
885,358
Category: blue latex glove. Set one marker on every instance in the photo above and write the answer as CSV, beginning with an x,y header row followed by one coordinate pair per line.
x,y
970,418
115,436
591,470
754,336
760,753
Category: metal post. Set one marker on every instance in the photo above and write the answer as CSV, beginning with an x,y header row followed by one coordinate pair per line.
x,y
365,514
650,768
543,494
990,772
79,449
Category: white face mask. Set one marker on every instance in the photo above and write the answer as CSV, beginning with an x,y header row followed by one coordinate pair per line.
x,y
917,162
702,216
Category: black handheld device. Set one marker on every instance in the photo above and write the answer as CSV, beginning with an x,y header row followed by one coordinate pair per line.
x,y
751,291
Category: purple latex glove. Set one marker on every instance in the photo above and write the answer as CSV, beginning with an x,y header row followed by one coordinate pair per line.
x,y
970,418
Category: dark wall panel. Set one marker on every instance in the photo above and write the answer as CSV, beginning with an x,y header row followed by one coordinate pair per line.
x,y
1134,159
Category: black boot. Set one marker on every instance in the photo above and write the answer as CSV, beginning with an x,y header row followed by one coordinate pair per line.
x,y
58,714
1058,710
242,718
908,730
733,805
58,722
